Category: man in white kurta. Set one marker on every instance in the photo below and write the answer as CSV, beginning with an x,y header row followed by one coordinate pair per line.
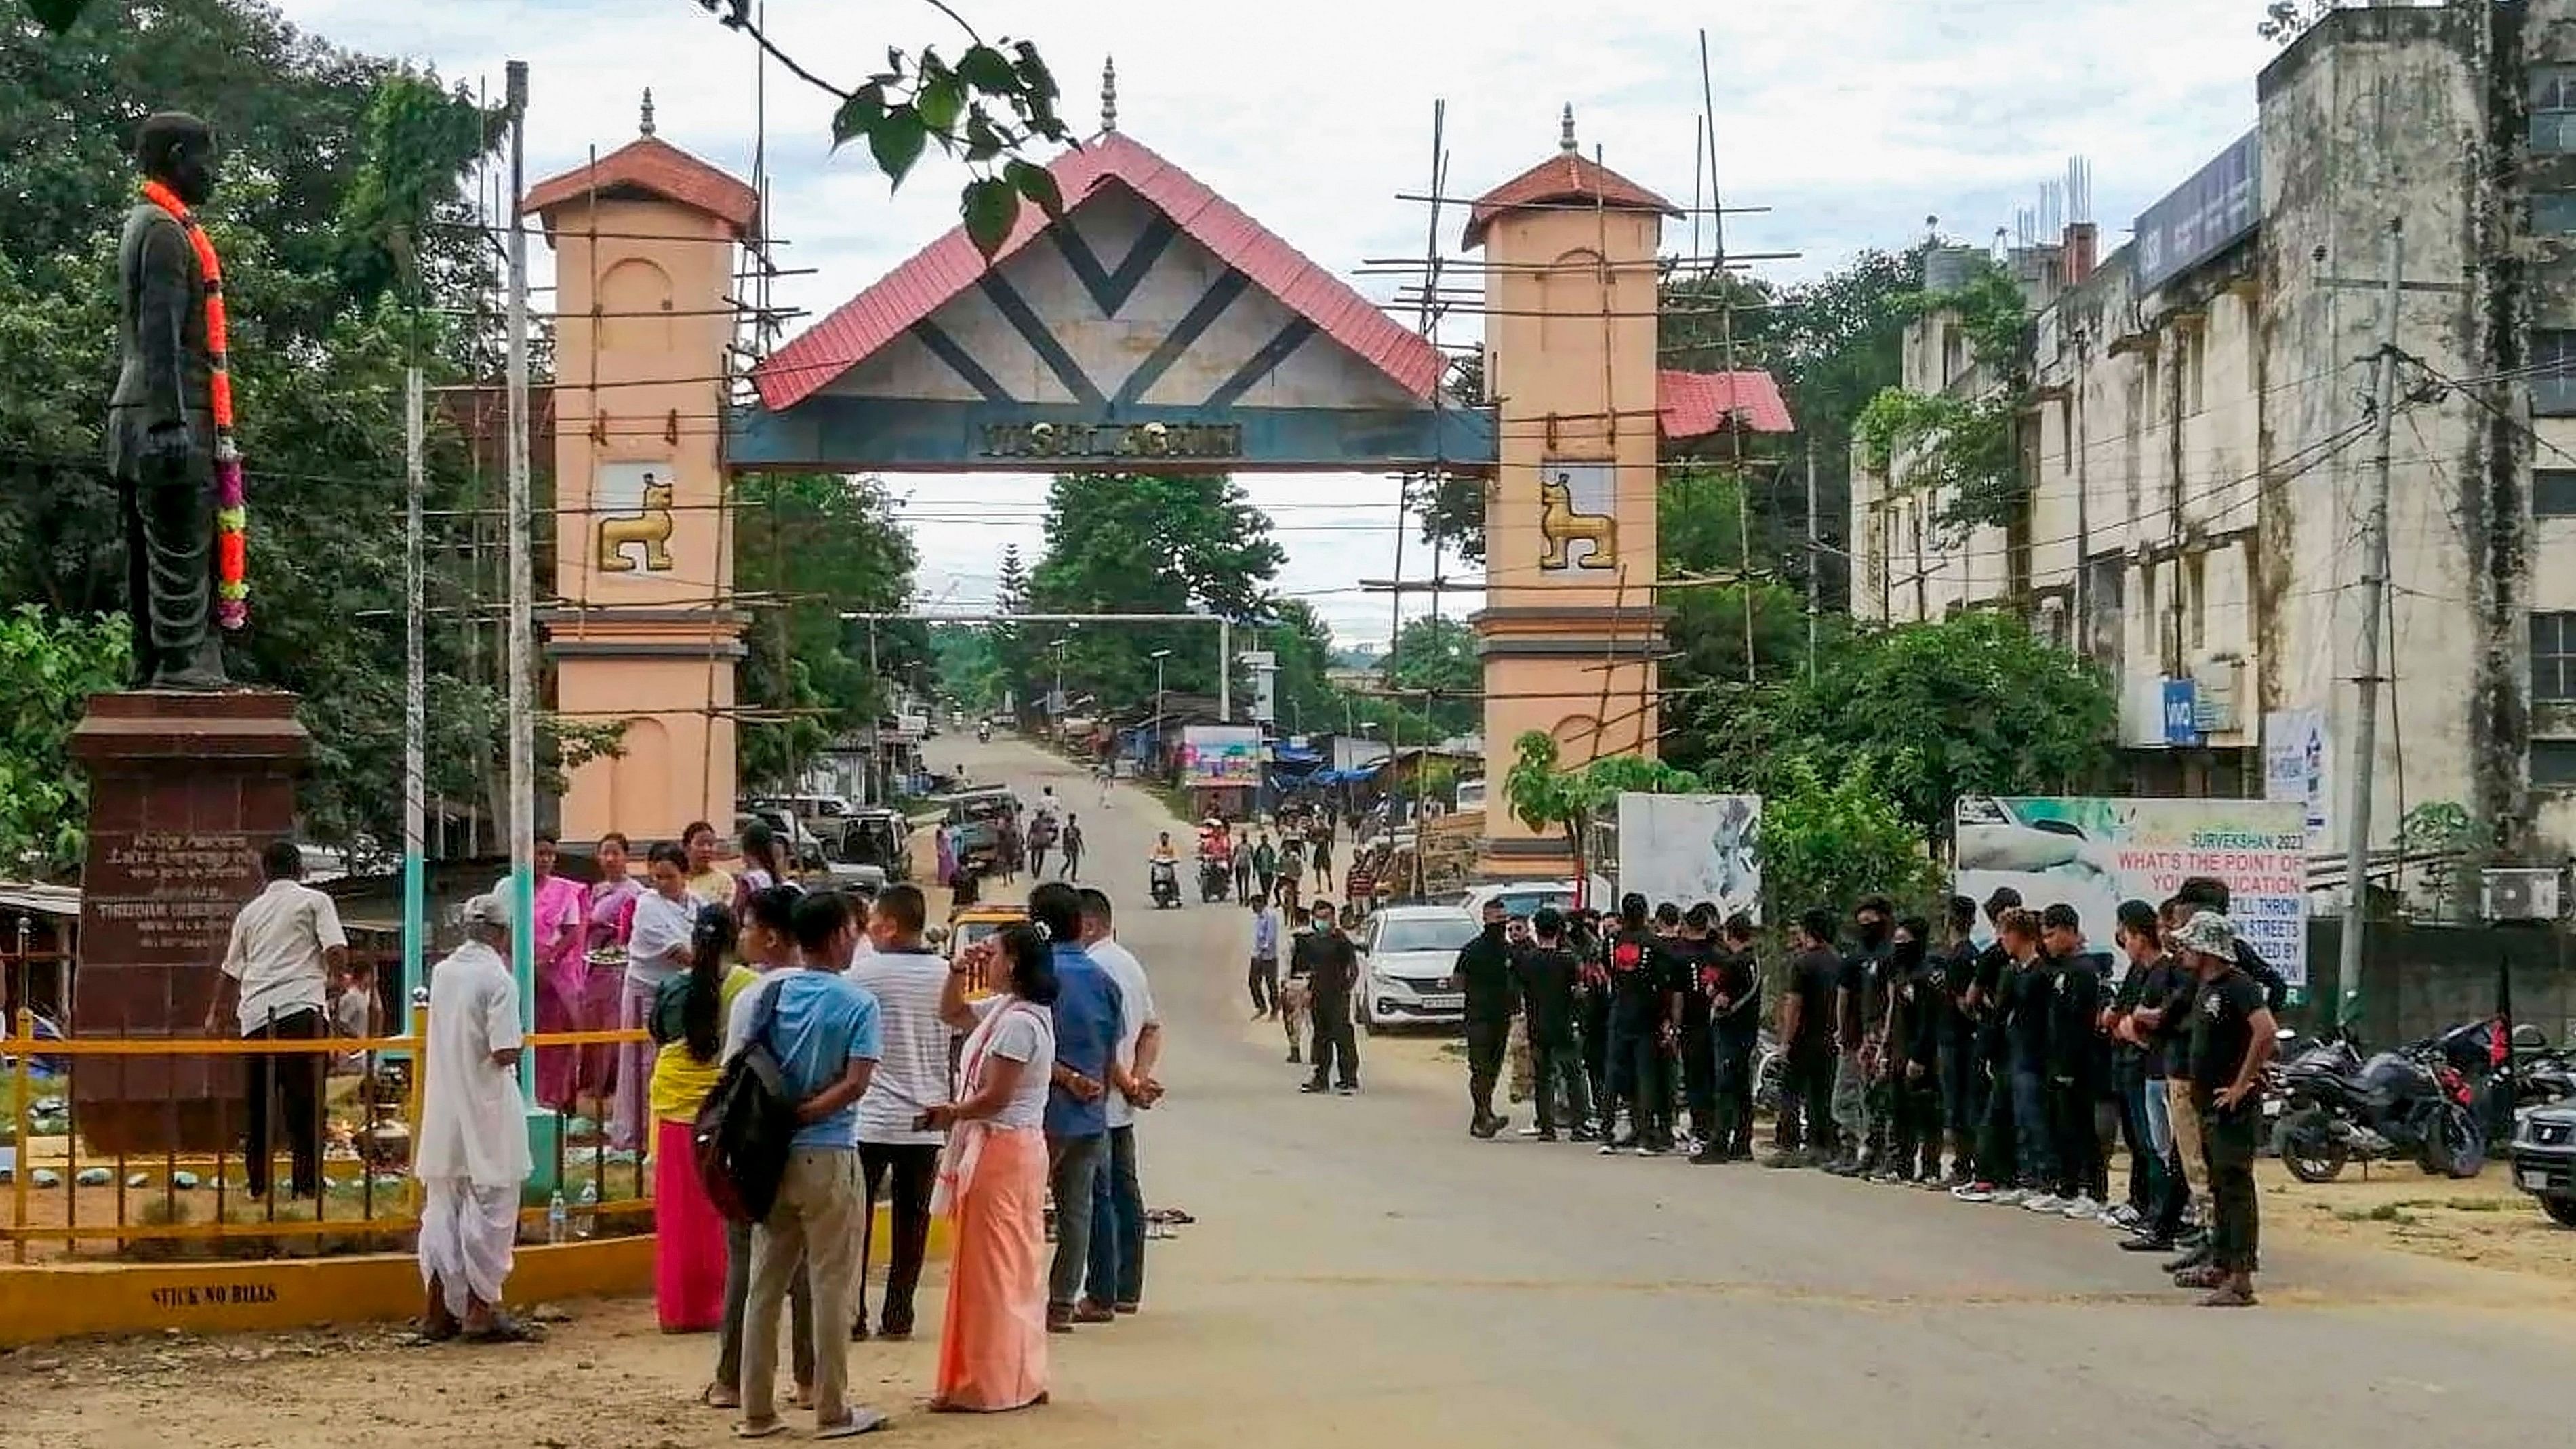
x,y
472,1157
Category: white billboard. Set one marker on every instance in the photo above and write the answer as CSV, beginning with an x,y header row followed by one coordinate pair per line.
x,y
1692,848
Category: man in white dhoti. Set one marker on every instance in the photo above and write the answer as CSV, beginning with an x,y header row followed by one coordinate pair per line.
x,y
472,1157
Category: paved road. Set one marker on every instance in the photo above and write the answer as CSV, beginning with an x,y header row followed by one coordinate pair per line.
x,y
1363,1274
1362,1267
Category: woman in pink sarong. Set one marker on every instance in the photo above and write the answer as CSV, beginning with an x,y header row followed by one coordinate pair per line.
x,y
993,1182
563,972
608,905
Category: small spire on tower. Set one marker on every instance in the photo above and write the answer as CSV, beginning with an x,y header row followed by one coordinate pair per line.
x,y
644,118
1565,136
1109,95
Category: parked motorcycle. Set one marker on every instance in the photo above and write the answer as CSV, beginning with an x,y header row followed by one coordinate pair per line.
x,y
1165,881
2413,1104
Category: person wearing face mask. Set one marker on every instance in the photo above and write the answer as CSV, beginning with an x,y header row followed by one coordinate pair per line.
x,y
1484,973
1913,1035
1860,1008
1326,961
1693,953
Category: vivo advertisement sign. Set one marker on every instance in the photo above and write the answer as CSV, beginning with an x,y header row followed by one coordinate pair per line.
x,y
2200,218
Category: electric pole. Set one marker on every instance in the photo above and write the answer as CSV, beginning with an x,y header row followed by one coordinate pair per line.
x,y
523,628
1814,557
2359,759
415,686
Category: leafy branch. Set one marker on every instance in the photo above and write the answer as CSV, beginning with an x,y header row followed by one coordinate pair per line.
x,y
996,99
1962,450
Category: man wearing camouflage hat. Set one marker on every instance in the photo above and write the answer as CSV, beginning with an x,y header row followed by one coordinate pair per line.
x,y
2231,1039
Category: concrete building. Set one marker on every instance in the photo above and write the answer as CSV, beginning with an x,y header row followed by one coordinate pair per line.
x,y
2197,442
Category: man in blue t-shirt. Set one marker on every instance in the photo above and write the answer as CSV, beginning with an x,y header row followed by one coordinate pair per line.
x,y
1077,1110
822,1028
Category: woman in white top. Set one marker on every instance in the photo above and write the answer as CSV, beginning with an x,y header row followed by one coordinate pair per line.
x,y
658,948
993,1180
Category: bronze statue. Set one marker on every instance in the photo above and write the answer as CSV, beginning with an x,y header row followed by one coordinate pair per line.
x,y
161,421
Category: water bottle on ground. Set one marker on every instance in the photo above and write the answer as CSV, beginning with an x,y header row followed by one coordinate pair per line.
x,y
555,1217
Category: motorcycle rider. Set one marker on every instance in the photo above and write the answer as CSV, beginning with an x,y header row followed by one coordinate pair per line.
x,y
2231,1038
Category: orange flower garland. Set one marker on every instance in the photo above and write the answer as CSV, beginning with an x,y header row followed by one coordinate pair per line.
x,y
232,518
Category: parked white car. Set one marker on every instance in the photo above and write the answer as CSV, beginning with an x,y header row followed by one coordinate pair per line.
x,y
1406,955
1519,898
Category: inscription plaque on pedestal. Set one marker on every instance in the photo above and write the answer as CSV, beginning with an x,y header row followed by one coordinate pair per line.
x,y
185,789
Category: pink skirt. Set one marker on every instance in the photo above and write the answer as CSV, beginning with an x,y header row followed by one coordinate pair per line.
x,y
556,1011
688,1237
993,1339
603,995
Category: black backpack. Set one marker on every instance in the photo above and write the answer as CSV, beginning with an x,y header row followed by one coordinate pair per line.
x,y
747,1126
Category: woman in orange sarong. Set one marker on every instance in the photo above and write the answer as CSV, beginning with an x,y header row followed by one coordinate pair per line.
x,y
993,1180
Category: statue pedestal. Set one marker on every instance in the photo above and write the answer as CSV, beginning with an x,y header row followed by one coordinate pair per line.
x,y
185,790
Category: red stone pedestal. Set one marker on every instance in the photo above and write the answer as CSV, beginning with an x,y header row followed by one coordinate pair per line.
x,y
185,790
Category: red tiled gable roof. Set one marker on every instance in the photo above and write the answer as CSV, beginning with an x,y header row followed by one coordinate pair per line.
x,y
951,264
657,168
1566,177
1696,404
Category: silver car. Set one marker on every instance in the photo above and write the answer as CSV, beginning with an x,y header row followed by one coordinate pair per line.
x,y
1406,956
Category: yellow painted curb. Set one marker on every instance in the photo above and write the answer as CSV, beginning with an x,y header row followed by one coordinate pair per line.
x,y
40,1302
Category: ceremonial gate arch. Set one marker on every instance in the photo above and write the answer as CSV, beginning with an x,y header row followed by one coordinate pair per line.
x,y
1154,327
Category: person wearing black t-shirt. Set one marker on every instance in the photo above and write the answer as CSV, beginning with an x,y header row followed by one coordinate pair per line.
x,y
2231,1039
2141,955
1860,1008
1963,1080
2075,1066
1913,1036
2022,999
1692,952
1733,985
1484,974
1548,976
1638,971
1592,1001
1998,1167
1804,1132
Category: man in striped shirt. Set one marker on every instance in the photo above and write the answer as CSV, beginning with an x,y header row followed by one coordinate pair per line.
x,y
897,1155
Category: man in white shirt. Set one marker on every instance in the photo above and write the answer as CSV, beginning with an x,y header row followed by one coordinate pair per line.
x,y
1115,1280
286,945
898,1157
472,1157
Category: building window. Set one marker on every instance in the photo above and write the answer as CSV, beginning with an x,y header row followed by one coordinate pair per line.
x,y
2553,656
2553,374
2553,213
2553,492
2553,764
2553,108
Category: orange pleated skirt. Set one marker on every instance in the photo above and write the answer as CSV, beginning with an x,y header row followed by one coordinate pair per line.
x,y
993,1339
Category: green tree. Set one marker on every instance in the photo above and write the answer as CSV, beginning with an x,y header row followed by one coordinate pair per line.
x,y
53,665
968,665
1434,663
1544,794
1970,705
814,546
1831,834
1148,543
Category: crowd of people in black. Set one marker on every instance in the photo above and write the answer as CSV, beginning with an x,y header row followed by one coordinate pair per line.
x,y
2007,1066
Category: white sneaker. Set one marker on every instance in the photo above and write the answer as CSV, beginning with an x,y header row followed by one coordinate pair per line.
x,y
1974,1192
2124,1217
2083,1206
2046,1202
2011,1197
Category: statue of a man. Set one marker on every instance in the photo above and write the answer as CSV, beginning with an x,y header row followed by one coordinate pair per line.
x,y
161,419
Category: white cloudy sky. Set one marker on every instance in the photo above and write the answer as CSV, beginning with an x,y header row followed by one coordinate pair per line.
x,y
1852,119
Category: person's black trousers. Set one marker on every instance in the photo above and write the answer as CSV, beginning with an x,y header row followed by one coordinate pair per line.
x,y
1731,1067
1698,1048
1337,1045
2232,1140
1263,981
2070,1132
1914,1128
1998,1152
296,1077
1485,1043
900,1174
1962,1106
1639,1081
1596,1055
1556,1069
1806,1120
